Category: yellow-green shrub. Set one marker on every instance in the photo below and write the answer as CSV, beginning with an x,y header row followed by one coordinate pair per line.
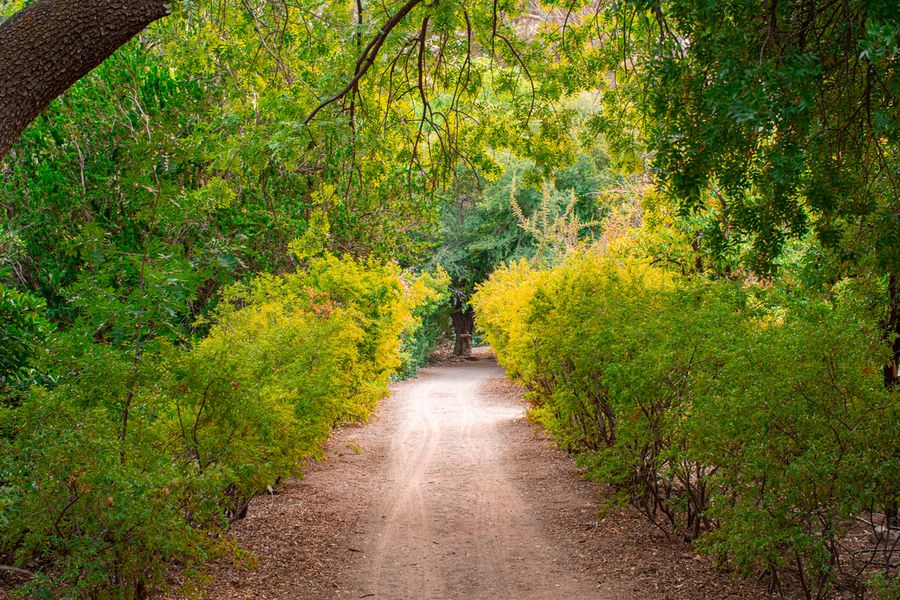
x,y
262,391
90,516
750,419
99,505
501,304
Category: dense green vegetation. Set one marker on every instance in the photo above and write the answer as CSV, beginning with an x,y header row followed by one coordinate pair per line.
x,y
226,239
748,418
133,462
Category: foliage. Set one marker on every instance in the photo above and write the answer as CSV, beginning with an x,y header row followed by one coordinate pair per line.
x,y
752,420
136,462
775,120
86,522
481,225
418,343
195,288
23,329
152,208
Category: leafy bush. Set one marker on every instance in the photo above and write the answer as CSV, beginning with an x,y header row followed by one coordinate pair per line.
x,y
88,513
749,419
23,328
434,321
137,461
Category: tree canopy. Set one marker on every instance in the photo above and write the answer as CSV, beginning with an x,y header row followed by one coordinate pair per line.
x,y
304,193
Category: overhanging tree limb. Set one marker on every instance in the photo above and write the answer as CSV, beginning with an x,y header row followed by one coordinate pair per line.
x,y
49,45
368,56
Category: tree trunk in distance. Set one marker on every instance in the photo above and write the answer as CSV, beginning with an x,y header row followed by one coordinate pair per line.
x,y
463,325
49,45
892,331
892,369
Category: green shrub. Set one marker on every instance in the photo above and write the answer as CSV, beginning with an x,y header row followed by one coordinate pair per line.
x,y
137,461
23,329
433,316
751,420
85,515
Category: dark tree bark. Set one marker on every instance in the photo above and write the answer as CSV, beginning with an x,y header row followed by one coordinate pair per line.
x,y
463,325
51,44
892,332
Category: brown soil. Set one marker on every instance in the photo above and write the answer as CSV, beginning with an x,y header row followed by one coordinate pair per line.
x,y
450,493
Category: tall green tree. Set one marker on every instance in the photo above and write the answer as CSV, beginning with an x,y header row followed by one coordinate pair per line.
x,y
775,120
482,223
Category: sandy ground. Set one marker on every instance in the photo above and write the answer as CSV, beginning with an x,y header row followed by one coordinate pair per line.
x,y
449,493
451,518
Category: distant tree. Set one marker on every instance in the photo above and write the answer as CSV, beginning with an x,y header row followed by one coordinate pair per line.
x,y
483,227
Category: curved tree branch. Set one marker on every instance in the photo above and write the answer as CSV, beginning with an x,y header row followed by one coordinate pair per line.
x,y
16,570
49,45
368,56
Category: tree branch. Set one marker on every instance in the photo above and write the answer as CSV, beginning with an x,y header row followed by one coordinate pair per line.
x,y
367,58
49,45
16,570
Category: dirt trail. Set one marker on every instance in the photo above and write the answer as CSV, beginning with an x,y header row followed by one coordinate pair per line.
x,y
450,519
449,493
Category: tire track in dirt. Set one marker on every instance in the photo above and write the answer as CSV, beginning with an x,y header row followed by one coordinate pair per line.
x,y
447,521
450,494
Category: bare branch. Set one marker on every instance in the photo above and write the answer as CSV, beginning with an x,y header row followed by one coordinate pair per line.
x,y
16,570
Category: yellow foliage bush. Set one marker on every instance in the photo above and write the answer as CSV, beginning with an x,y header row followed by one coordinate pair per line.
x,y
751,420
137,463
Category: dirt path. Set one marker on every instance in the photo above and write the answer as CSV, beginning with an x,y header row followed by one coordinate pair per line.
x,y
450,494
451,518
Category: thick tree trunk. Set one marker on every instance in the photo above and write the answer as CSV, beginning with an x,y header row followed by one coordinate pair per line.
x,y
51,44
463,325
